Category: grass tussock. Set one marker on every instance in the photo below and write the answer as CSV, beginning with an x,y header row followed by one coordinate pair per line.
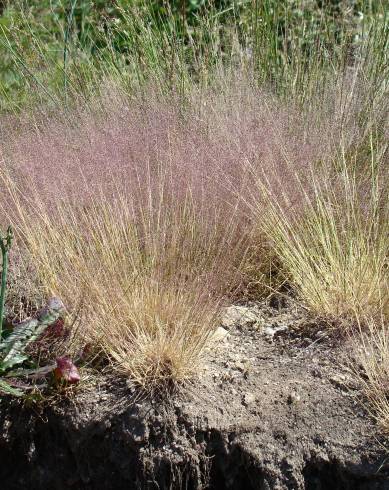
x,y
335,250
371,368
132,147
149,284
144,217
144,252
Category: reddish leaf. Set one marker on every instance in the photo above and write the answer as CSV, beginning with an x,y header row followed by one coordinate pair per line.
x,y
66,371
55,330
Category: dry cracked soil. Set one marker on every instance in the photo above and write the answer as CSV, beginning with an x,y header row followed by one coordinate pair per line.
x,y
274,408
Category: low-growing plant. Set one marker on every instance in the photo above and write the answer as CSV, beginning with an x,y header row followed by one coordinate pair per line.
x,y
14,349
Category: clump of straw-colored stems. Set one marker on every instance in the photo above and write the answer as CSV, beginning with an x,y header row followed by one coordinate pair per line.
x,y
334,247
148,277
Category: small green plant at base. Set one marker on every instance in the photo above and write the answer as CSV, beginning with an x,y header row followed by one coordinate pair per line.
x,y
13,346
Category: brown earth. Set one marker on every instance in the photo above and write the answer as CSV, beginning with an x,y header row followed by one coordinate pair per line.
x,y
275,408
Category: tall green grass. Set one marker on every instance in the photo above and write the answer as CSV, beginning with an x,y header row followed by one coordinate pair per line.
x,y
60,49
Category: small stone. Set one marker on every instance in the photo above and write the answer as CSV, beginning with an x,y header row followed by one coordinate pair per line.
x,y
219,335
293,398
241,316
249,399
269,332
338,380
240,366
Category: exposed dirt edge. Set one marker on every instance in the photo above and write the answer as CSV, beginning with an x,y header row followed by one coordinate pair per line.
x,y
144,449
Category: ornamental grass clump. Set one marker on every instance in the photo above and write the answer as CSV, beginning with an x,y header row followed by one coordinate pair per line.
x,y
334,250
148,281
145,216
134,230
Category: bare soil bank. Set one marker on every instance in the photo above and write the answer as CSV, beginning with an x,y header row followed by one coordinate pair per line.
x,y
273,409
